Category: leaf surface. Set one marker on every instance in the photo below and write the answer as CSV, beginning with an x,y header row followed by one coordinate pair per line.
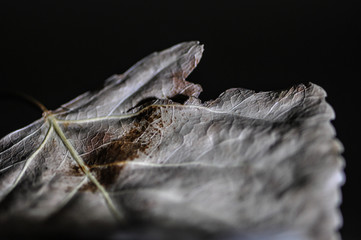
x,y
145,152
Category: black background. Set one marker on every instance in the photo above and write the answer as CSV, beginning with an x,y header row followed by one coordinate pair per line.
x,y
56,50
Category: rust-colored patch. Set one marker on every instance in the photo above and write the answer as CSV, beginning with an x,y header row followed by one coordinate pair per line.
x,y
106,162
89,186
75,170
128,146
106,175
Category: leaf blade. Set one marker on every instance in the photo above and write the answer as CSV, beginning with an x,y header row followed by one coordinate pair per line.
x,y
246,161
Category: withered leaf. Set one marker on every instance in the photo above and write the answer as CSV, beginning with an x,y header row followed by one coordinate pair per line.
x,y
144,155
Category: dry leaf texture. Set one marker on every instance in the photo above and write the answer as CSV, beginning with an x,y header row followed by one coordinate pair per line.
x,y
144,151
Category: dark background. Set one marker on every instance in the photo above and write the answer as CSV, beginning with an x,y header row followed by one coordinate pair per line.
x,y
56,50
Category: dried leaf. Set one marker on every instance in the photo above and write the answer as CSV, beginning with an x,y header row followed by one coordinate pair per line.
x,y
144,155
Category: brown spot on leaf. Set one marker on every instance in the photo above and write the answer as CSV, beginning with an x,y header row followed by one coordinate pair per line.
x,y
106,175
89,186
125,148
107,161
75,170
128,146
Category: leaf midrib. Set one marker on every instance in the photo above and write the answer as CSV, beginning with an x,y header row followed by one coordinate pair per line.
x,y
54,123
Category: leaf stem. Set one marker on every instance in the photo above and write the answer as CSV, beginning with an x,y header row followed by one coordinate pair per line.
x,y
31,99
